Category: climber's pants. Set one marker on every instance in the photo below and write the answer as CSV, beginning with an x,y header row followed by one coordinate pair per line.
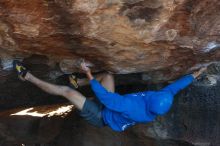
x,y
92,113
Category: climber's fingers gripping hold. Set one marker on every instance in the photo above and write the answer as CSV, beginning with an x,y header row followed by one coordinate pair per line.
x,y
199,72
84,67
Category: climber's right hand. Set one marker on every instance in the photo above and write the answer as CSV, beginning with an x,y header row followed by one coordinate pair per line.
x,y
199,72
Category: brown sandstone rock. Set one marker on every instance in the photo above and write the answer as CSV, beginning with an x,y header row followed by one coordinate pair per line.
x,y
122,36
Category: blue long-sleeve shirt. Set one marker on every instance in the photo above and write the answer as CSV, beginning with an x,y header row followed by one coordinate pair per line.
x,y
123,111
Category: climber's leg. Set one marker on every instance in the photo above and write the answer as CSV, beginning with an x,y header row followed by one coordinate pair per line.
x,y
108,82
73,96
106,79
89,110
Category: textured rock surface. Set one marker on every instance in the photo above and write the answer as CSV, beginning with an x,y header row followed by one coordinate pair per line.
x,y
121,36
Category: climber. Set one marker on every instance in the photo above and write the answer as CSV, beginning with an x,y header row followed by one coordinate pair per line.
x,y
112,109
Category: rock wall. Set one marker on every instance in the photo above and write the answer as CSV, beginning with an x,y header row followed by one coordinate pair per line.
x,y
122,36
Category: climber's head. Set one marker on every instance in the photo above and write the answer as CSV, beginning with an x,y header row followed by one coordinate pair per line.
x,y
160,103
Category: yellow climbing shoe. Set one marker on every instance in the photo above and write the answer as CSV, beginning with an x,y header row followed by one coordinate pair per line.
x,y
20,69
73,81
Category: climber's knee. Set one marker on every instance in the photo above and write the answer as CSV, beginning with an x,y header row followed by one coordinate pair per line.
x,y
109,76
67,91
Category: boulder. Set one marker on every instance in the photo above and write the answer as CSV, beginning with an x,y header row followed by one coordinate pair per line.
x,y
168,37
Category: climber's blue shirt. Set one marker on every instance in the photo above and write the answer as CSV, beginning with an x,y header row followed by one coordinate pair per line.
x,y
123,111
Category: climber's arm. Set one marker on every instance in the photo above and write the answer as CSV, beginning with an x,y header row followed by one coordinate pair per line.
x,y
111,100
179,84
86,70
183,82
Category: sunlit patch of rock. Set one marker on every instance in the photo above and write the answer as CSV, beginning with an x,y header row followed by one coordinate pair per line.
x,y
61,111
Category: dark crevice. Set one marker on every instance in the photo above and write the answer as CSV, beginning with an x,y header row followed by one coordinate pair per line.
x,y
140,10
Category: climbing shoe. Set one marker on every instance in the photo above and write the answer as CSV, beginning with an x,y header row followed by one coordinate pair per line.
x,y
73,81
20,69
